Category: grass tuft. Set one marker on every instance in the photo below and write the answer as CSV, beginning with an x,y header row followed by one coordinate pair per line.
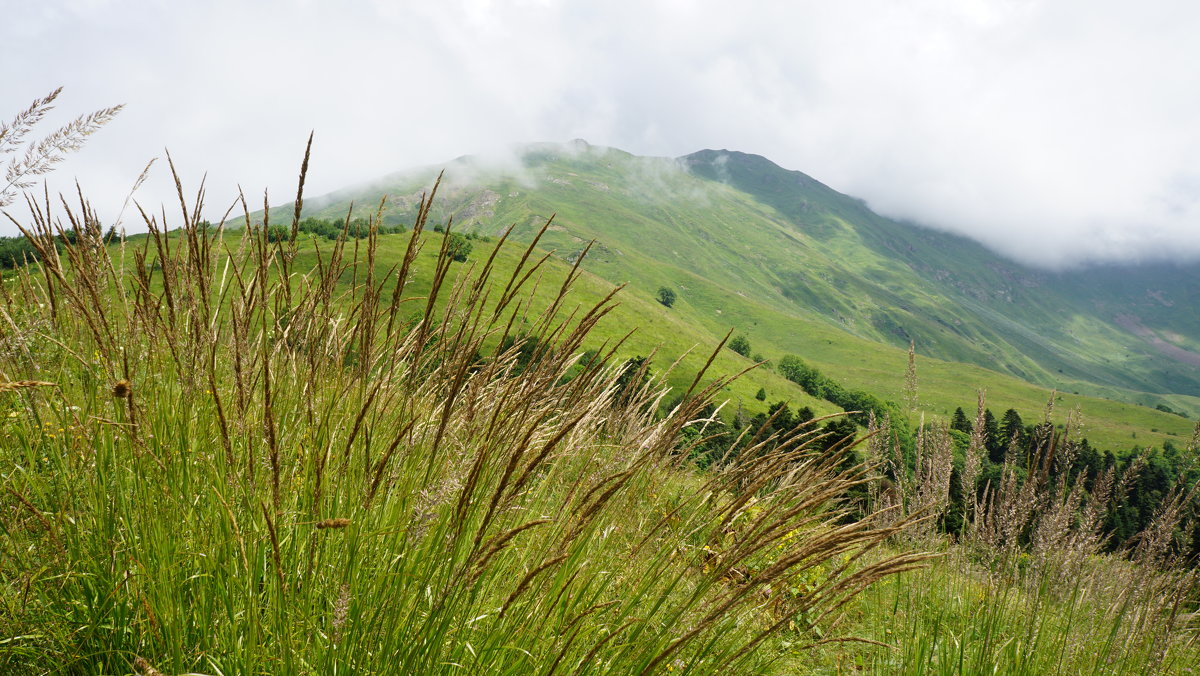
x,y
499,509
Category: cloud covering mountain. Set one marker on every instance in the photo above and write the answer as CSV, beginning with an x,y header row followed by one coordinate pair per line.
x,y
1057,133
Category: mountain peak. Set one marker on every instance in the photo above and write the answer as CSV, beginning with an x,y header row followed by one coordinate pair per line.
x,y
743,170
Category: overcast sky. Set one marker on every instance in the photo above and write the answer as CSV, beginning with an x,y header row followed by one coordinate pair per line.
x,y
1056,132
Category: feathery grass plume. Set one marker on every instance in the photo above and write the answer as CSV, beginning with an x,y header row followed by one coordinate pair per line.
x,y
1154,544
24,384
886,493
39,158
911,400
341,613
117,228
13,133
935,461
143,666
973,460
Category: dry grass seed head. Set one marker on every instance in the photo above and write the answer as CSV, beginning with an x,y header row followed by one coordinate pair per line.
x,y
24,384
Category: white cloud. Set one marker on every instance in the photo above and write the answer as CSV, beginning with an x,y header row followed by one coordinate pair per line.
x,y
1057,132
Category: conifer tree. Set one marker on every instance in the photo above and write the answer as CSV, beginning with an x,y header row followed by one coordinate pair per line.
x,y
995,444
960,422
1012,428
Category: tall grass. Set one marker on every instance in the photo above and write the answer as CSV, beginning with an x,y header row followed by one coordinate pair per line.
x,y
215,461
1025,586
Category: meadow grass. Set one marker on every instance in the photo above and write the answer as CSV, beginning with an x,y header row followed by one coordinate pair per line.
x,y
230,455
1026,586
971,615
220,461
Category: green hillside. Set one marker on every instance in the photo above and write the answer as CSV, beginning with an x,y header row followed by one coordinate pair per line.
x,y
800,269
544,428
1072,325
239,452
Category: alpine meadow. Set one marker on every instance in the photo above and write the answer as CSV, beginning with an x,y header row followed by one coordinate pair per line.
x,y
579,411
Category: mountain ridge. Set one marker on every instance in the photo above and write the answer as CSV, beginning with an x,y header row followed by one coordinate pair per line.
x,y
1005,277
746,224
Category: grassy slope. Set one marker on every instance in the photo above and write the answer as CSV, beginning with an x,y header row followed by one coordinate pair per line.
x,y
1049,328
162,548
670,332
212,471
658,226
694,325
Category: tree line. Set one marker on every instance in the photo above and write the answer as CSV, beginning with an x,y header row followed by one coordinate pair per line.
x,y
1153,472
17,251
